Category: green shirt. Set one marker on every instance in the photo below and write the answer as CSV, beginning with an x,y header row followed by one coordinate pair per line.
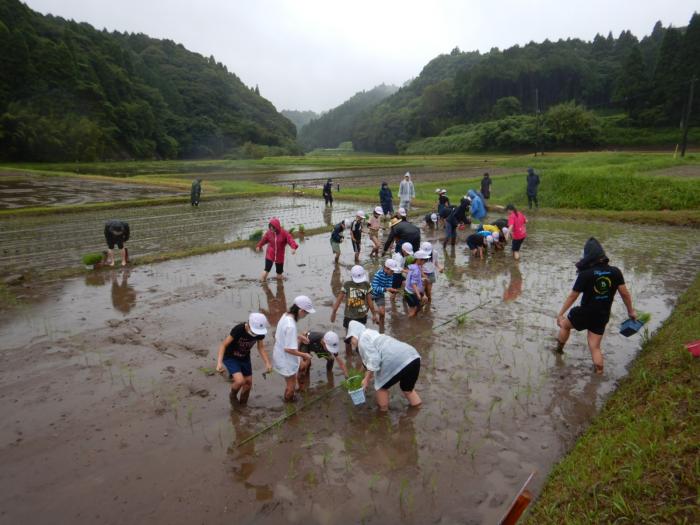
x,y
356,299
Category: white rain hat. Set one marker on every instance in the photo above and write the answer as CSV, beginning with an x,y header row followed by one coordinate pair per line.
x,y
378,210
433,217
420,254
258,323
426,247
392,265
407,174
304,303
358,274
332,342
402,212
355,329
360,213
407,247
348,223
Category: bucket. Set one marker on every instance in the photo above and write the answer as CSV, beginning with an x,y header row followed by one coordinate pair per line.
x,y
357,396
694,348
630,327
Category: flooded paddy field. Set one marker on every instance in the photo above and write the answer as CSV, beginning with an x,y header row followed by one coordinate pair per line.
x,y
107,414
29,191
47,243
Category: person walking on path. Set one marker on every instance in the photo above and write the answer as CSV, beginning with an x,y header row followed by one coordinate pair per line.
x,y
374,224
533,184
486,186
286,357
516,229
234,355
328,192
406,192
356,234
277,239
598,282
388,361
196,192
116,234
386,199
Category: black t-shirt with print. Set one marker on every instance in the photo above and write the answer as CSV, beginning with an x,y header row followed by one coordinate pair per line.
x,y
314,345
242,343
598,286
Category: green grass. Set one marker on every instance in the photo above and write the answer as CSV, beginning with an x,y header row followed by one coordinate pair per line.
x,y
639,462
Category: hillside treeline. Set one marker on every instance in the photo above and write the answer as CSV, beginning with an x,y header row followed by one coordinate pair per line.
x,y
70,92
647,80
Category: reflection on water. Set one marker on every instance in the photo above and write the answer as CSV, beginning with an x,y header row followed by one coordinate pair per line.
x,y
123,294
515,285
276,304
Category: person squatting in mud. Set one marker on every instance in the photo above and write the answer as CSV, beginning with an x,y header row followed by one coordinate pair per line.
x,y
277,239
324,345
234,355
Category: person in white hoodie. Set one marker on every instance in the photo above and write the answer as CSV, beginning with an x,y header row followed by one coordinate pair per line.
x,y
406,192
388,361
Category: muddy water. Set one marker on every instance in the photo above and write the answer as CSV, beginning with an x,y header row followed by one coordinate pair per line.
x,y
106,416
41,243
28,190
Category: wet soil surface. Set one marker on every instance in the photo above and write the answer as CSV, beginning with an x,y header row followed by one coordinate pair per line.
x,y
48,243
107,412
27,191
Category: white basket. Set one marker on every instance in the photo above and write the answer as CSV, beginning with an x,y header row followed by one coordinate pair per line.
x,y
357,396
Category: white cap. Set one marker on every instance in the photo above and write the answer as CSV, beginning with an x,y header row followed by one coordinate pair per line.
x,y
355,329
433,217
392,265
402,212
378,210
489,239
358,274
426,247
258,323
407,247
420,254
304,303
348,223
332,342
360,213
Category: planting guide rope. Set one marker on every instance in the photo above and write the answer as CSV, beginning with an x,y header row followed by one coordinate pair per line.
x,y
282,419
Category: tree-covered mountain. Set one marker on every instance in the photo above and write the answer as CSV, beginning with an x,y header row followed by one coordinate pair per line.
x,y
647,79
71,92
299,118
337,125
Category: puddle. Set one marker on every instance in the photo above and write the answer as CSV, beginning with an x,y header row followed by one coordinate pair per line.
x,y
27,190
106,415
40,243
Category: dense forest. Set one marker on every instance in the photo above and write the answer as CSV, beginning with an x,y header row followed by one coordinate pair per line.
x,y
492,99
70,92
337,125
299,118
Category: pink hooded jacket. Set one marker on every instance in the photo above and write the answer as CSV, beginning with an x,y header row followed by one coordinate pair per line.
x,y
277,239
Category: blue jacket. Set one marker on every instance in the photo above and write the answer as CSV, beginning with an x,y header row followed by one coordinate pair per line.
x,y
385,194
478,210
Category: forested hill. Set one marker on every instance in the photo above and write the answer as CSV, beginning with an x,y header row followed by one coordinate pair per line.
x,y
299,118
647,79
337,125
71,92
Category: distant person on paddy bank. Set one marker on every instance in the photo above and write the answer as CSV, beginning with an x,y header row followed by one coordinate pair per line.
x,y
277,239
328,192
116,234
406,192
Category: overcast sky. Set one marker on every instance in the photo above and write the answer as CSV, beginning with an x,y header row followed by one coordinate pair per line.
x,y
315,54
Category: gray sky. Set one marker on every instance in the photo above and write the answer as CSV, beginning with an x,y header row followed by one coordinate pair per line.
x,y
315,54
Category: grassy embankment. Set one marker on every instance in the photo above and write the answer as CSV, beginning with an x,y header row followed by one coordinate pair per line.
x,y
639,461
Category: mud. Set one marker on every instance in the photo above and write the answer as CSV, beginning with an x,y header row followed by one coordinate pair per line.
x,y
29,190
107,416
45,243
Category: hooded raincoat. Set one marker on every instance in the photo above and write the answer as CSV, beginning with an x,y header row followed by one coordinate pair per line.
x,y
381,354
277,239
478,210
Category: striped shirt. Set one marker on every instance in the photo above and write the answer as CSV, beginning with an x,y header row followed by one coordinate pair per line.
x,y
380,282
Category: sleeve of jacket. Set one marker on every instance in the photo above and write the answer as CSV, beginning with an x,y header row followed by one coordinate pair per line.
x,y
262,242
291,241
390,239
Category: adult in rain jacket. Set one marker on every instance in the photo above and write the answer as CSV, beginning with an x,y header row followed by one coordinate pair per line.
x,y
388,361
402,232
386,199
406,192
195,192
478,210
277,239
533,184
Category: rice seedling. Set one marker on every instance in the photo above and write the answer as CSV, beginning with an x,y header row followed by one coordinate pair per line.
x,y
90,259
256,235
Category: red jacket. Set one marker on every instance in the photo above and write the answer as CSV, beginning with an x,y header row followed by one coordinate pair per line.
x,y
277,238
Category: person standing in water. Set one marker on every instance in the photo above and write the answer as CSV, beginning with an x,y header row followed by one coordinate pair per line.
x,y
406,192
196,192
375,225
386,199
116,234
234,355
286,357
388,361
356,234
598,282
328,192
516,229
277,239
382,282
337,238
533,185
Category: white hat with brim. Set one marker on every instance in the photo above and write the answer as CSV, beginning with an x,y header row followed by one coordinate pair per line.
x,y
361,214
426,247
407,247
420,254
378,210
402,212
433,217
304,303
358,274
258,323
332,342
355,329
391,264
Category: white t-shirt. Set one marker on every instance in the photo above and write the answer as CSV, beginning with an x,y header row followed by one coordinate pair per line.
x,y
283,362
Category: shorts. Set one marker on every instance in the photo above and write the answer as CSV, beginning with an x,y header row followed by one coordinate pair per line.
x,y
397,280
411,299
236,365
516,244
379,301
583,319
431,277
346,321
111,241
406,377
279,267
335,246
356,246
